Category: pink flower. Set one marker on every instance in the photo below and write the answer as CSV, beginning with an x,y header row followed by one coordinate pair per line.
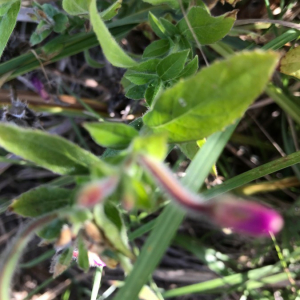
x,y
94,259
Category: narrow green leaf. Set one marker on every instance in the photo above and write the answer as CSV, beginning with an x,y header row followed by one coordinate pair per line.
x,y
157,48
214,284
170,28
39,201
173,3
156,26
108,218
11,255
216,96
112,51
253,174
139,78
76,7
83,259
7,23
136,92
171,66
111,11
190,69
48,151
148,66
40,33
207,29
51,231
113,135
289,105
154,88
90,61
168,222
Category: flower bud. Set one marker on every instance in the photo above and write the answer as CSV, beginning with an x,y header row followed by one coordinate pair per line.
x,y
227,211
244,216
97,191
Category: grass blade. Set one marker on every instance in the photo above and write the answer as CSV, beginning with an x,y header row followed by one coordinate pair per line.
x,y
170,219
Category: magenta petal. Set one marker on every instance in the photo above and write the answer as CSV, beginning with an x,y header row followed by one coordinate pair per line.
x,y
244,216
39,86
94,259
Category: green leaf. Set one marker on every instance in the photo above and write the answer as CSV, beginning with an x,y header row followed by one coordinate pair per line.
x,y
171,66
39,201
4,8
61,22
148,66
156,26
76,7
92,62
49,10
139,78
61,262
189,149
51,231
170,219
136,92
173,3
170,29
153,89
4,2
212,99
65,258
208,29
190,69
111,11
48,151
142,73
112,51
41,32
108,218
157,48
113,135
290,63
7,23
83,259
154,145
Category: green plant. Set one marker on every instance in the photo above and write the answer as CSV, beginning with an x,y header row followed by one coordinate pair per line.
x,y
185,106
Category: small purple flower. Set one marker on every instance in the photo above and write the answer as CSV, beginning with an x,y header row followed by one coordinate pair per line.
x,y
39,86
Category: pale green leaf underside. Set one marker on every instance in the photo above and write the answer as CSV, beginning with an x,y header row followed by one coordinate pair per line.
x,y
48,151
76,7
208,29
213,98
290,64
114,135
8,23
112,51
